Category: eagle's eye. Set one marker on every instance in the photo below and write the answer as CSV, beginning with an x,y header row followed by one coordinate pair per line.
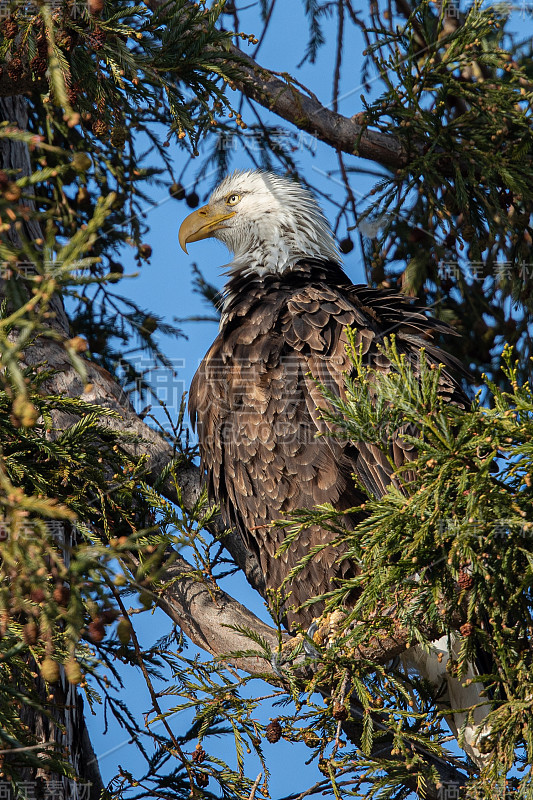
x,y
233,199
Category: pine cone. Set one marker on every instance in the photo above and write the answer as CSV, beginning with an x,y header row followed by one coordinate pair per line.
x,y
118,137
97,39
199,754
15,69
177,191
10,28
99,127
30,632
37,596
96,630
95,6
273,731
310,739
202,779
192,200
466,629
39,65
465,581
339,711
323,767
61,594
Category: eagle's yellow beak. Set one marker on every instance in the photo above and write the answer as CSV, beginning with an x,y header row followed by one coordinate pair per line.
x,y
201,224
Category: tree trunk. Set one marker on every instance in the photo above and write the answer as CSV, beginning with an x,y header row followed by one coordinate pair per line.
x,y
70,732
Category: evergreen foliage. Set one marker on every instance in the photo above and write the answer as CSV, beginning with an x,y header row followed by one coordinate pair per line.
x,y
448,548
459,213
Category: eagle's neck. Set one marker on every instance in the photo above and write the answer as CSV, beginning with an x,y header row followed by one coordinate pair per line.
x,y
280,254
246,288
272,248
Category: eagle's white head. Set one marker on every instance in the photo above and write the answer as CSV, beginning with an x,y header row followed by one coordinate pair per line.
x,y
267,221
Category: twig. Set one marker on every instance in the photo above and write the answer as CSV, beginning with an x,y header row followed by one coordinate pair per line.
x,y
251,796
153,694
338,56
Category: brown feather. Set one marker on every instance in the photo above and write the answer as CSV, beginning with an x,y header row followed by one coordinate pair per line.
x,y
256,407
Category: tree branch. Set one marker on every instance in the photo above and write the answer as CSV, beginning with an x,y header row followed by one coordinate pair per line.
x,y
308,114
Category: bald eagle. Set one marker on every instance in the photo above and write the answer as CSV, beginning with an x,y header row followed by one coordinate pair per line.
x,y
254,399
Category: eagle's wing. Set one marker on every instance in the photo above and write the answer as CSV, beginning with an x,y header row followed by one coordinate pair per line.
x,y
320,334
258,411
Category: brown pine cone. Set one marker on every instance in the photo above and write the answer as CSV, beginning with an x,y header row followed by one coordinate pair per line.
x,y
323,767
30,632
99,127
199,754
310,739
109,615
95,6
39,65
339,711
61,594
118,137
466,629
97,39
273,731
73,93
465,580
15,69
96,630
10,28
202,779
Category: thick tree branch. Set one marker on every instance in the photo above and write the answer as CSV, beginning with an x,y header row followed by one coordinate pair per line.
x,y
308,114
284,98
